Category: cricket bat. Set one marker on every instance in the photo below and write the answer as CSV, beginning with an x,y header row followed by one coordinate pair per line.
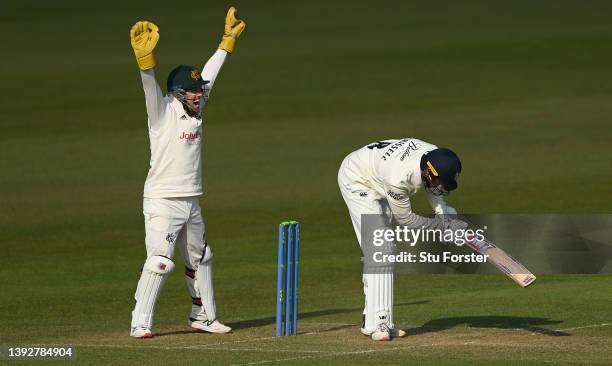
x,y
504,262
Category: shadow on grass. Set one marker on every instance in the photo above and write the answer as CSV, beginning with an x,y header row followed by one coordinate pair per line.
x,y
312,314
260,322
533,325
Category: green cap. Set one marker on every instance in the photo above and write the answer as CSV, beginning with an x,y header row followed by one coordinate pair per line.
x,y
185,78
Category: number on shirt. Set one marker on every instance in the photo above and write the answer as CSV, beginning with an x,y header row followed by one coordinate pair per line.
x,y
379,145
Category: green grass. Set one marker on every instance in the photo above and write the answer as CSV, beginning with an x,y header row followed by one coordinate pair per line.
x,y
522,91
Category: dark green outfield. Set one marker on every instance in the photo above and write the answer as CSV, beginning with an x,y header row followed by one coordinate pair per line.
x,y
521,90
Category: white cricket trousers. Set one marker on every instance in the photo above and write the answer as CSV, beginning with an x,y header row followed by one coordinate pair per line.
x,y
171,222
363,200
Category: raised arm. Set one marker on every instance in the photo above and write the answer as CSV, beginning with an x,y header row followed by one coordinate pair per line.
x,y
144,36
154,98
212,67
233,29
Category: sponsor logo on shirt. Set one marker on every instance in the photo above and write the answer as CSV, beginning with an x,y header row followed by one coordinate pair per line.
x,y
395,195
393,148
412,146
190,137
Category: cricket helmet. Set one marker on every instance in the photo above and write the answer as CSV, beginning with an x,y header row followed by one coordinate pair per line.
x,y
185,78
443,163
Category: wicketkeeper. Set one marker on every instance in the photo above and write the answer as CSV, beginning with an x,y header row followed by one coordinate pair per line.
x,y
174,184
379,179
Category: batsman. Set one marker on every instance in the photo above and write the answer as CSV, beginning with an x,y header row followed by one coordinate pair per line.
x,y
379,180
173,187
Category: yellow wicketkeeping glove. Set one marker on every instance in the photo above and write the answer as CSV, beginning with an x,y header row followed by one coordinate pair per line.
x,y
144,36
233,29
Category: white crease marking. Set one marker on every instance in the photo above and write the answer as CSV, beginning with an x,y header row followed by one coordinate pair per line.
x,y
584,327
315,353
332,354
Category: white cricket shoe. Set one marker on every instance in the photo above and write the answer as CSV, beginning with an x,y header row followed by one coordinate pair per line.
x,y
140,333
382,333
395,333
207,326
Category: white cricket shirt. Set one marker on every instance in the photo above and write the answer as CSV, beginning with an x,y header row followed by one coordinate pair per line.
x,y
175,138
392,168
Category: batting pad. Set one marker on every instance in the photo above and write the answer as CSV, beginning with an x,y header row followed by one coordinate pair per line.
x,y
204,284
197,311
378,289
191,283
152,279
